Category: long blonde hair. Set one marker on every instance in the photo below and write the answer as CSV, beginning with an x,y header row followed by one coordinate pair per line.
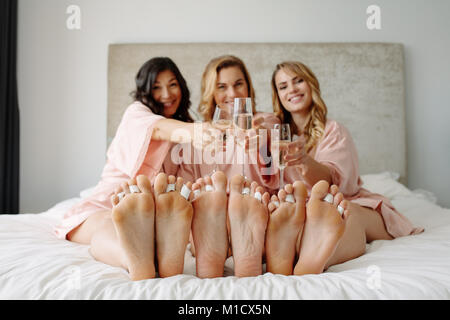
x,y
315,126
207,104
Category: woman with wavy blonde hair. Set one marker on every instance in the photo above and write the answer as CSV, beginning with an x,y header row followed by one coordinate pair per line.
x,y
315,125
214,92
324,157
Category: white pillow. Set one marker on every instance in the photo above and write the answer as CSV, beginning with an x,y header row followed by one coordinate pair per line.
x,y
385,183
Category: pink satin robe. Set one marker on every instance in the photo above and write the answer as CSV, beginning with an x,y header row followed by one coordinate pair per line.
x,y
131,153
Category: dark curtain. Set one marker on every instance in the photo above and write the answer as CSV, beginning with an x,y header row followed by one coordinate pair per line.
x,y
9,110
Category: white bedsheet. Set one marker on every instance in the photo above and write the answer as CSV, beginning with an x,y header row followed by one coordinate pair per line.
x,y
34,264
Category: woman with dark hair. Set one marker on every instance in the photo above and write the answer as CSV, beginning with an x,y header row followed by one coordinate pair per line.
x,y
145,82
123,234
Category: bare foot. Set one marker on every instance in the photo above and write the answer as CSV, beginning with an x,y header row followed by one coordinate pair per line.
x,y
209,228
248,217
133,219
173,224
285,226
323,229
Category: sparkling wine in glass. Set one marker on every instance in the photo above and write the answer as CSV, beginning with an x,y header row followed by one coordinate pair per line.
x,y
222,120
283,138
242,118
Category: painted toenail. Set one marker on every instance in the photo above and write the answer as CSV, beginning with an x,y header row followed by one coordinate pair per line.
x,y
196,193
170,187
340,209
121,195
329,198
134,189
246,191
258,195
185,192
277,204
290,198
209,187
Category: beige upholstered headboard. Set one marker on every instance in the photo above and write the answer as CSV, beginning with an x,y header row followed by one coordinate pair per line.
x,y
361,83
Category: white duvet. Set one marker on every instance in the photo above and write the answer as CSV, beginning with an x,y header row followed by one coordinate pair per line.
x,y
34,264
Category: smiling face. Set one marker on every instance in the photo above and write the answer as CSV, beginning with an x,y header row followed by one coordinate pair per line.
x,y
230,84
293,91
166,91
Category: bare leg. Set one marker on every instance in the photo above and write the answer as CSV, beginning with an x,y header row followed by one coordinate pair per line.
x,y
285,226
173,225
363,225
209,229
248,221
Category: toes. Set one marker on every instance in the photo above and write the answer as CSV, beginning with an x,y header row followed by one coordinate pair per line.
x,y
282,195
208,183
343,209
338,198
319,190
253,186
271,207
144,184
274,203
179,183
274,198
259,193
114,200
196,189
219,180
236,184
300,192
288,188
200,183
334,189
266,199
160,184
125,187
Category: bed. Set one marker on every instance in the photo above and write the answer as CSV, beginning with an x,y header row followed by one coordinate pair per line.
x,y
34,264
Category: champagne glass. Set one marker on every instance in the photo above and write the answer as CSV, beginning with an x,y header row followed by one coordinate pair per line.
x,y
242,118
283,138
222,120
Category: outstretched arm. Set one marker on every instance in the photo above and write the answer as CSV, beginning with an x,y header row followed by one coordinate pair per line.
x,y
175,131
311,170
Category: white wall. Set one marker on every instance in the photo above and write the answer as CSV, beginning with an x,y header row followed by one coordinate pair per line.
x,y
62,73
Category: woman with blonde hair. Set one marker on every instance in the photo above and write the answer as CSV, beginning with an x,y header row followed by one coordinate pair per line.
x,y
224,79
214,92
223,218
323,152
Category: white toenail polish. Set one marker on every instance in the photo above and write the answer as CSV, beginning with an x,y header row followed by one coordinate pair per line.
x,y
170,187
290,198
185,192
246,191
121,195
134,189
277,204
196,193
340,209
258,195
209,187
329,198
